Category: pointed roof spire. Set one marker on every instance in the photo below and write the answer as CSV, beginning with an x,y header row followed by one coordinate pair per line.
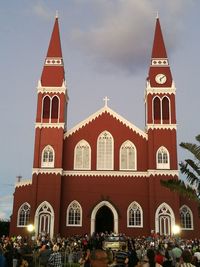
x,y
158,50
53,70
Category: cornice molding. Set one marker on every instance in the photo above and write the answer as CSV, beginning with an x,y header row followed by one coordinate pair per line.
x,y
161,126
51,89
23,183
47,171
95,115
160,90
122,173
50,125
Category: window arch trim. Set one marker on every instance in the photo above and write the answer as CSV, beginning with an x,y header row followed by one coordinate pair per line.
x,y
105,161
136,206
191,218
74,205
50,157
162,155
26,218
129,143
83,156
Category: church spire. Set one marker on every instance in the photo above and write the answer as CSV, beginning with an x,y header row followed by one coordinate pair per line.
x,y
158,50
53,70
159,71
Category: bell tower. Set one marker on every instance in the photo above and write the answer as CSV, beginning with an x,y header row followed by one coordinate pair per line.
x,y
160,108
52,100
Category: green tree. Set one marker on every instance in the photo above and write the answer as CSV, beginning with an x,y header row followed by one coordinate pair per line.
x,y
191,169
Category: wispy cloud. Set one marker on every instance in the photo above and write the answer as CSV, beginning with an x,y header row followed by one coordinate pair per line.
x,y
41,10
123,37
5,206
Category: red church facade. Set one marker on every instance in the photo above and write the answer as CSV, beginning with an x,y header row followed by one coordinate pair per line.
x,y
104,174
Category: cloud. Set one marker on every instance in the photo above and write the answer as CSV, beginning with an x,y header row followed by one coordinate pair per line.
x,y
122,38
5,206
41,10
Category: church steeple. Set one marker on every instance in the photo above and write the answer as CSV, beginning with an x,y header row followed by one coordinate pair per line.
x,y
159,71
53,71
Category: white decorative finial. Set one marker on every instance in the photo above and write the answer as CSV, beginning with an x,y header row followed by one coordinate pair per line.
x,y
56,14
106,99
157,16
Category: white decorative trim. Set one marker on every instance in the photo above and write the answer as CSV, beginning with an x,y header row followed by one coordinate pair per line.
x,y
160,90
51,89
121,173
23,183
50,125
95,115
53,61
47,171
141,213
155,62
161,126
163,172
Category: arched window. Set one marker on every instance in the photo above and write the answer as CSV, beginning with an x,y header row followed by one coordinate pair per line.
x,y
82,155
23,215
165,110
46,107
156,110
186,218
48,157
134,215
162,158
128,156
74,214
55,107
105,151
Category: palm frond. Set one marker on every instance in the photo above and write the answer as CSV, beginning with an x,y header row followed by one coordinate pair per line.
x,y
190,175
180,187
192,148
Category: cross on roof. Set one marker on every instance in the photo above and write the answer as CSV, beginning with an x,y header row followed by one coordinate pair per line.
x,y
106,99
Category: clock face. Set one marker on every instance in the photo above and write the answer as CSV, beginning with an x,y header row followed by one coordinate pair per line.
x,y
160,78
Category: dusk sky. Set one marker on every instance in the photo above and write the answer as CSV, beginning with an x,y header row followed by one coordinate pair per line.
x,y
106,48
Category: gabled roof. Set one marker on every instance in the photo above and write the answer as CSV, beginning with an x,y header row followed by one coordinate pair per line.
x,y
108,110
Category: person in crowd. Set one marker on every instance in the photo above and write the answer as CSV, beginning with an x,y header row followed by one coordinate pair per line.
x,y
55,259
186,259
121,257
150,259
99,258
44,254
2,258
176,254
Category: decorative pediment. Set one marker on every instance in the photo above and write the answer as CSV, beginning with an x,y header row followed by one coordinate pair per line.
x,y
112,113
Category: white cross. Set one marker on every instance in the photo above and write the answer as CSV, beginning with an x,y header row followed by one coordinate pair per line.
x,y
106,99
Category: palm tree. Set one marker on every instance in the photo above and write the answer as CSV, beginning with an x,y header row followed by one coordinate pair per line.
x,y
191,168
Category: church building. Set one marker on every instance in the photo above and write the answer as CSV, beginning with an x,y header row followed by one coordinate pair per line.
x,y
104,174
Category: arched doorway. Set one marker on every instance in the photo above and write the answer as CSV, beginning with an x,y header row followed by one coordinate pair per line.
x,y
100,213
104,220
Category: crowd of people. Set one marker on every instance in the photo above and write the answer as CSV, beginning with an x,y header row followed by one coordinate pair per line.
x,y
89,251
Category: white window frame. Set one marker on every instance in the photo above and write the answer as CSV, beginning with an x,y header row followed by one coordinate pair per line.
x,y
136,206
102,157
191,217
74,205
48,164
163,165
26,217
83,144
131,145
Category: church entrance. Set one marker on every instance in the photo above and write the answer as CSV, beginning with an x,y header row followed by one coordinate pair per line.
x,y
104,220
